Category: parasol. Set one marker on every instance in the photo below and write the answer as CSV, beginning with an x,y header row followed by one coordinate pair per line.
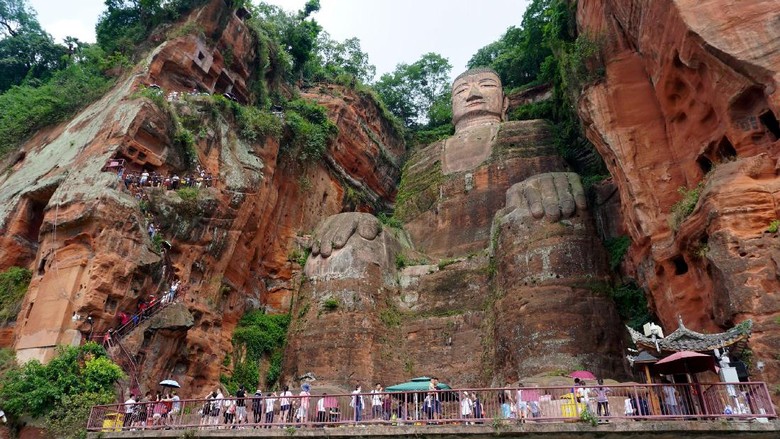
x,y
686,362
169,383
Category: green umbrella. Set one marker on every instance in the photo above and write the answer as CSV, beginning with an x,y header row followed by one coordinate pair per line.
x,y
419,384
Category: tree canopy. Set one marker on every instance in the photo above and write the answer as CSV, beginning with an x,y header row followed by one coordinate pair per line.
x,y
61,392
27,52
412,90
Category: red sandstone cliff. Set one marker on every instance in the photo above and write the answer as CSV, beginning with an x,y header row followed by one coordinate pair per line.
x,y
85,235
691,98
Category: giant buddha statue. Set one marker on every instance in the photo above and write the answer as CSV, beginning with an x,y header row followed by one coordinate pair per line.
x,y
522,287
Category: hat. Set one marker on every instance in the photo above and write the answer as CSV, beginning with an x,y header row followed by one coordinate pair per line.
x,y
259,392
306,387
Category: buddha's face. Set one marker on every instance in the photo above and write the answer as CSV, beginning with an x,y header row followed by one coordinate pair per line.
x,y
477,95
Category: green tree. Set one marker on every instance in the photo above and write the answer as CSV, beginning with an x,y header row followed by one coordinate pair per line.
x,y
35,389
411,90
296,33
27,52
519,54
126,23
334,59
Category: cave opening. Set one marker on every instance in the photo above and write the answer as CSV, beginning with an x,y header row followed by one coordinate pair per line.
x,y
680,266
771,124
726,150
705,164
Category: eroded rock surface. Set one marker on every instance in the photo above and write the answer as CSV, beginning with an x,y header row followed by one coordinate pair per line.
x,y
85,235
690,98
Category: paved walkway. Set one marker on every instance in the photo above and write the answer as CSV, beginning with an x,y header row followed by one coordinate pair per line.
x,y
573,430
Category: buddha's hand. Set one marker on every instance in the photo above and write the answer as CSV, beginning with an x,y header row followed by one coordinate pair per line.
x,y
335,231
552,195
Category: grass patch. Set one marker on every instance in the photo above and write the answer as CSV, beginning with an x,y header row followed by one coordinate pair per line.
x,y
13,286
299,256
773,226
617,248
330,304
683,208
390,221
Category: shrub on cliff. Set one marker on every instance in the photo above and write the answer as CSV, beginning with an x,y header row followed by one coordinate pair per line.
x,y
13,286
259,337
307,130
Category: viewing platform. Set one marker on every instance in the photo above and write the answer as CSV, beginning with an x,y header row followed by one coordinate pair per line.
x,y
706,410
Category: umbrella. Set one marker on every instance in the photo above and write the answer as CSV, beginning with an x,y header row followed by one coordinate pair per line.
x,y
686,362
419,384
583,375
169,383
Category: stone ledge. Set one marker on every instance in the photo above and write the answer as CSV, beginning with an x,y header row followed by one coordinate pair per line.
x,y
633,430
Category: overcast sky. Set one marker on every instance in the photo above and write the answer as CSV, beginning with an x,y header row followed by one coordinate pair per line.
x,y
390,31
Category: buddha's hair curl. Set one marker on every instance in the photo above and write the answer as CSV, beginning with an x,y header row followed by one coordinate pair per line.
x,y
475,71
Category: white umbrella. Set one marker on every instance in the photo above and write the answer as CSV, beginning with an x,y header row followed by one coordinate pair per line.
x,y
169,383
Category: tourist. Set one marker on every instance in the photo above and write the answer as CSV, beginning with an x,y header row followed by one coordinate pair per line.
x,y
602,401
107,342
229,410
356,402
506,407
269,409
466,406
477,407
285,405
670,398
257,406
144,178
321,416
129,410
522,405
433,387
387,406
158,408
215,407
303,410
240,404
147,408
376,402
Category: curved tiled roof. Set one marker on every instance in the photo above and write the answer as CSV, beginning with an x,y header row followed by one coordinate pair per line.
x,y
684,339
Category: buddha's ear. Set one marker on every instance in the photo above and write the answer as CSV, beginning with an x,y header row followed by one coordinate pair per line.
x,y
504,107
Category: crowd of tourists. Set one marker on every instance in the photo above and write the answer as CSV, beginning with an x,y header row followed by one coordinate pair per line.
x,y
284,408
145,308
135,181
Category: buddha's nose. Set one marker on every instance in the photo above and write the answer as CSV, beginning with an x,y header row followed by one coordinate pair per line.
x,y
474,93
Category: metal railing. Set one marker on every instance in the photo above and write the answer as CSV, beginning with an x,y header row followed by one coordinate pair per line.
x,y
614,403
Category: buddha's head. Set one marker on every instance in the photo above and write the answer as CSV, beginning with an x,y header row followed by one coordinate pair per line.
x,y
477,97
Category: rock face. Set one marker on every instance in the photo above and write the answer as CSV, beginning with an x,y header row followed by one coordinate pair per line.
x,y
690,99
85,235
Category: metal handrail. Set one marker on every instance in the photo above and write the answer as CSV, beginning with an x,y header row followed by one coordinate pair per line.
x,y
623,402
